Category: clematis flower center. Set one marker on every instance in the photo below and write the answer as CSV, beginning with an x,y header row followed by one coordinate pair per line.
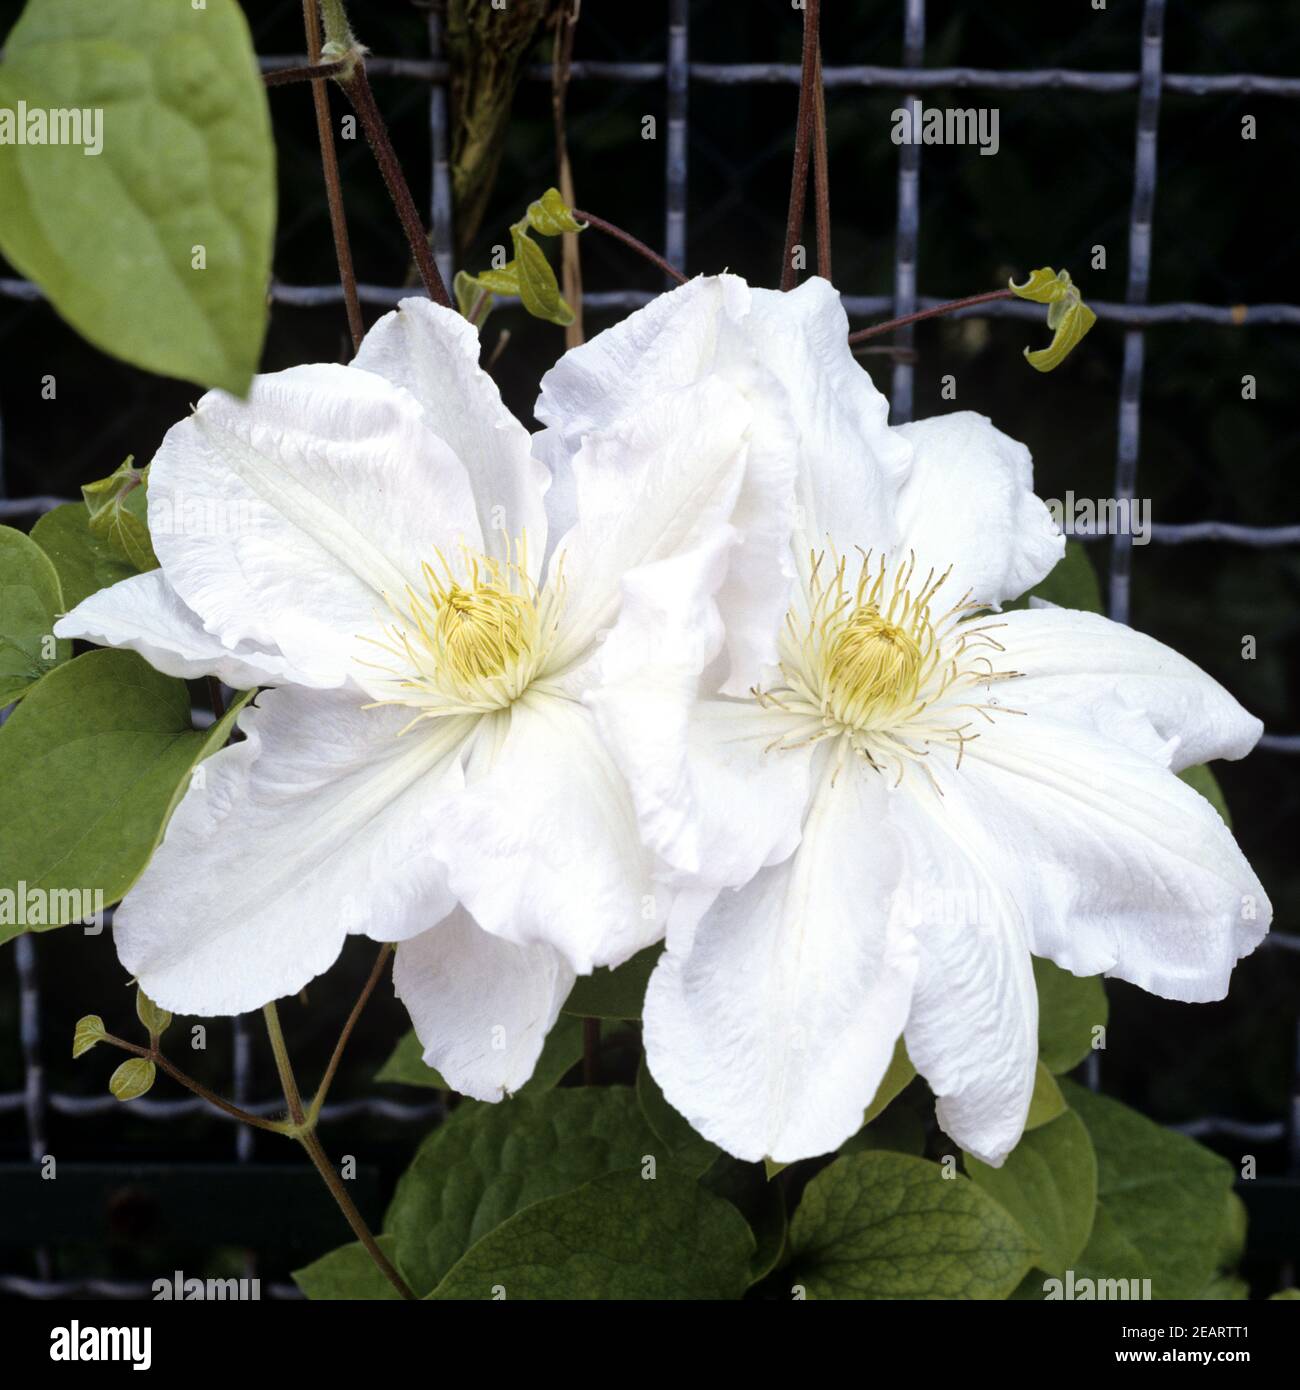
x,y
869,661
474,639
481,630
871,665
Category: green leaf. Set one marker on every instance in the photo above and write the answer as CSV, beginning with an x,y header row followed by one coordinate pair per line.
x,y
406,1066
1164,1193
1284,1295
348,1273
86,563
884,1225
487,1162
133,1078
1047,1102
538,289
117,513
620,1237
108,720
1069,1008
1068,316
30,604
1224,1282
550,215
468,294
1049,1185
503,281
1202,780
563,1047
1110,1254
618,993
155,1020
686,1150
1072,583
1108,1257
184,174
759,1201
1042,287
89,1031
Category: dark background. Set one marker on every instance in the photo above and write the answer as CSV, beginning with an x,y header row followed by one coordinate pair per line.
x,y
1224,233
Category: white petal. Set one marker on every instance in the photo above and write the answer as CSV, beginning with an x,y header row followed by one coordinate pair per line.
x,y
144,614
316,825
482,1006
1072,662
711,800
671,343
434,353
1123,868
329,490
692,335
561,496
969,503
850,462
542,845
771,1034
973,1029
651,487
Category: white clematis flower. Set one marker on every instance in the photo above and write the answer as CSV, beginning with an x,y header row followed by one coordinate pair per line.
x,y
372,541
918,795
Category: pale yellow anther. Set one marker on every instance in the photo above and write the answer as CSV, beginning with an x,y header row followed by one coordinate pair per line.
x,y
872,665
868,663
474,639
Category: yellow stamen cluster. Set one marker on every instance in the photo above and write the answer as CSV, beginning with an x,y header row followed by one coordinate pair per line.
x,y
870,663
474,640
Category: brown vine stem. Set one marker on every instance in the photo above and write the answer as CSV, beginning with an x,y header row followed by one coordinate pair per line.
x,y
333,185
629,240
308,72
938,311
566,26
356,85
220,1102
821,171
376,973
803,134
305,1134
354,1218
288,1082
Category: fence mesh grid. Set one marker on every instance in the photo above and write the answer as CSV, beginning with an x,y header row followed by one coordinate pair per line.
x,y
1148,82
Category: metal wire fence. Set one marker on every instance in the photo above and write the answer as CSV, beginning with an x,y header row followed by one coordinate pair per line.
x,y
1148,82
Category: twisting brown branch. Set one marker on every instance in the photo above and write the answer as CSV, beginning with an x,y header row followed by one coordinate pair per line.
x,y
821,171
356,85
802,141
333,185
629,240
309,72
938,311
566,27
